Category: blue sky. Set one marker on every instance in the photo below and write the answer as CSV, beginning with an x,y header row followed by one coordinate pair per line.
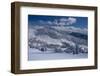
x,y
43,20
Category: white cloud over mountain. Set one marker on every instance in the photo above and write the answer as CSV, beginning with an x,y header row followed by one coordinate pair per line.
x,y
60,22
71,20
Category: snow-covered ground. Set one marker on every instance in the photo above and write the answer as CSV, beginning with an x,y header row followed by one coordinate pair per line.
x,y
35,54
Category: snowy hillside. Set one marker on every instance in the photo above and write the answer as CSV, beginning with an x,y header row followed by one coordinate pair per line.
x,y
57,39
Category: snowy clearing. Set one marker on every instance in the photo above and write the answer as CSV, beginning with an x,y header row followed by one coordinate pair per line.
x,y
38,55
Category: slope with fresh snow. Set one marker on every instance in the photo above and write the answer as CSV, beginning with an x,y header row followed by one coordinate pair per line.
x,y
47,39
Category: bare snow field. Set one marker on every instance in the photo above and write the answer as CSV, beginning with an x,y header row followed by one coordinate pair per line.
x,y
35,54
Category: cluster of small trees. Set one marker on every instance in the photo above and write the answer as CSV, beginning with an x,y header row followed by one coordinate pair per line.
x,y
65,47
75,49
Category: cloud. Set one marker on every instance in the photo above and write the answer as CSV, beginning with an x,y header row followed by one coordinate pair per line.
x,y
63,19
67,21
49,22
71,21
60,22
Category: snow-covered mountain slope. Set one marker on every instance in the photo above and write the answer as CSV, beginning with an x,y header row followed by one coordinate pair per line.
x,y
45,36
57,33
